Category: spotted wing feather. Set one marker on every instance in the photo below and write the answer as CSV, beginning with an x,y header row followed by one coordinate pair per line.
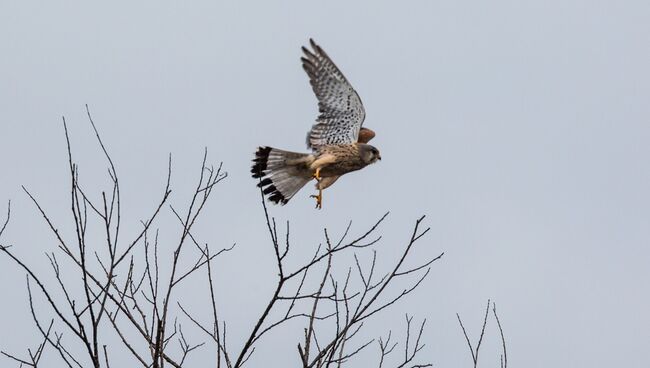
x,y
341,110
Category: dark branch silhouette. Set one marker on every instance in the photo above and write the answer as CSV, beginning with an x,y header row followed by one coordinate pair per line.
x,y
475,350
108,283
108,301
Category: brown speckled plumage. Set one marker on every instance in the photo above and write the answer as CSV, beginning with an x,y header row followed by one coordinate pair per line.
x,y
338,142
348,159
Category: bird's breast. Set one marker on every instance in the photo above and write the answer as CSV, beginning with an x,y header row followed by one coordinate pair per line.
x,y
347,160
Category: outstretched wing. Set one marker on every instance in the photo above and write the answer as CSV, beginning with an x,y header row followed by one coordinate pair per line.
x,y
341,110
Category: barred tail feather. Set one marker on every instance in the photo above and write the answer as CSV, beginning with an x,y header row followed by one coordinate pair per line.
x,y
282,173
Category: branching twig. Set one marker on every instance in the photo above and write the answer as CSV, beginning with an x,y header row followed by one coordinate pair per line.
x,y
121,291
504,356
475,351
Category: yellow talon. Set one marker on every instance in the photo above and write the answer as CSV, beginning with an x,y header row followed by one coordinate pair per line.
x,y
319,199
317,174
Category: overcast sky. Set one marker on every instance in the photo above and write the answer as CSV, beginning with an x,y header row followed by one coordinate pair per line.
x,y
520,128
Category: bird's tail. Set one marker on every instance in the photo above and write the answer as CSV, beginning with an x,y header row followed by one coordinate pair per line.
x,y
282,173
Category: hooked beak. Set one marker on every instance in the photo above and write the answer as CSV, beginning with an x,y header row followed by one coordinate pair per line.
x,y
379,157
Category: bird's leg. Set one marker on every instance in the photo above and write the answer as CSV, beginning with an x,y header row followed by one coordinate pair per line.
x,y
319,199
317,174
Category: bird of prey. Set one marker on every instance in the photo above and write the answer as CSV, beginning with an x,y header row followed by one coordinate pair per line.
x,y
338,142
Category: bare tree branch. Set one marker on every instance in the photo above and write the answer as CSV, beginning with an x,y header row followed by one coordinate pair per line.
x,y
475,351
117,288
4,225
504,356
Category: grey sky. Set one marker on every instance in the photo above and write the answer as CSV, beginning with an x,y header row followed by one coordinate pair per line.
x,y
520,128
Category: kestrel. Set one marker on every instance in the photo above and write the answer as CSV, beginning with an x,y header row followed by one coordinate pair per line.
x,y
337,140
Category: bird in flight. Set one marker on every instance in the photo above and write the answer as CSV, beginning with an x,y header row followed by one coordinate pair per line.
x,y
338,142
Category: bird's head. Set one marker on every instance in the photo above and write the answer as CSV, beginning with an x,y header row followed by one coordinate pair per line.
x,y
369,154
